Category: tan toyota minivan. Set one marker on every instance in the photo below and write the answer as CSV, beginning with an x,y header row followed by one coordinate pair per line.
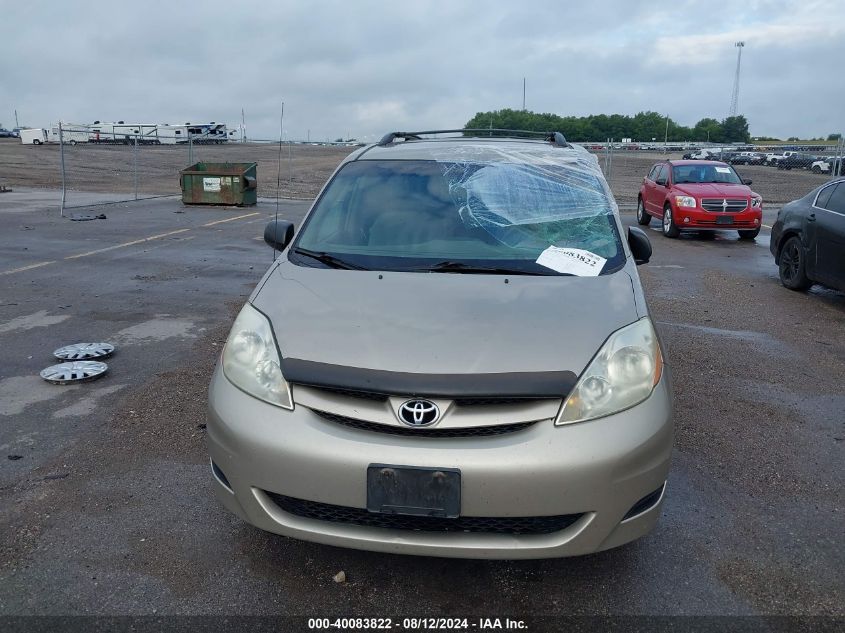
x,y
453,356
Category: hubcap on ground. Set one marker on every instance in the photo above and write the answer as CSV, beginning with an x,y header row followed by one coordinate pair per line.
x,y
77,371
84,351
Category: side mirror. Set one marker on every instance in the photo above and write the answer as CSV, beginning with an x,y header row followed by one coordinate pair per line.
x,y
639,244
746,181
278,234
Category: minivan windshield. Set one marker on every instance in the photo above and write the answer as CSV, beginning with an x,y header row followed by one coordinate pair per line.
x,y
463,217
705,173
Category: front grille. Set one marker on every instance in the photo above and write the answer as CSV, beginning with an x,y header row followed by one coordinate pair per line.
x,y
484,402
352,393
736,224
477,431
461,402
485,525
717,204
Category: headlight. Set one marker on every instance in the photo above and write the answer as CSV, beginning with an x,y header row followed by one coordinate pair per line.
x,y
251,359
687,202
622,374
757,202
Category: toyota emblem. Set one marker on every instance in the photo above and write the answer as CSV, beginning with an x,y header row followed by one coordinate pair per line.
x,y
419,412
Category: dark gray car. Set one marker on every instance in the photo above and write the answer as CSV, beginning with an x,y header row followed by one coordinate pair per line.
x,y
808,239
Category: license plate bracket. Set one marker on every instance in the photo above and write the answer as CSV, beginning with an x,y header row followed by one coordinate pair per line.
x,y
725,219
414,491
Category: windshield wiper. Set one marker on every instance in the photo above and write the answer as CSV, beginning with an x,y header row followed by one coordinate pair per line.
x,y
461,267
329,260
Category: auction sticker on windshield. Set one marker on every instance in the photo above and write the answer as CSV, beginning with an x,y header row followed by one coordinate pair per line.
x,y
723,170
572,261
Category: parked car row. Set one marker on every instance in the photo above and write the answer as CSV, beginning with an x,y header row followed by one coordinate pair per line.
x,y
782,159
808,237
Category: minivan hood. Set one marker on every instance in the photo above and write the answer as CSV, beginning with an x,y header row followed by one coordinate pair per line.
x,y
714,190
443,323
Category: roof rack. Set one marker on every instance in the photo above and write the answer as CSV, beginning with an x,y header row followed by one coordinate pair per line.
x,y
556,138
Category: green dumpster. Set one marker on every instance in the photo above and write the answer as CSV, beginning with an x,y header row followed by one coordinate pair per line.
x,y
219,183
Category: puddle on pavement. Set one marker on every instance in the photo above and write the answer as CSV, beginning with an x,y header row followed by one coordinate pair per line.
x,y
19,392
746,335
30,321
158,329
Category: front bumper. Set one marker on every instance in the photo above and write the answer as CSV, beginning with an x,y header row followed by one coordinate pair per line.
x,y
598,469
700,219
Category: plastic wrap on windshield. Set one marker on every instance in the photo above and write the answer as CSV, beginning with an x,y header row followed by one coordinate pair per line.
x,y
528,196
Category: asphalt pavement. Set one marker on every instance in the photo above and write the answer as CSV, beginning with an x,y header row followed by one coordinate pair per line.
x,y
106,504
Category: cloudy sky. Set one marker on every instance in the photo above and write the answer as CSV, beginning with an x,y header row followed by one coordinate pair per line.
x,y
364,67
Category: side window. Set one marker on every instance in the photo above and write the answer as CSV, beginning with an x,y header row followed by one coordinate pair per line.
x,y
837,199
662,175
652,175
824,197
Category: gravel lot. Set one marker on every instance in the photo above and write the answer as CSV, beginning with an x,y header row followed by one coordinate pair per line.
x,y
109,169
105,491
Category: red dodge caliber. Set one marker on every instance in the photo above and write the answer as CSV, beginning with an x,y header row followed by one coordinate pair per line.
x,y
700,195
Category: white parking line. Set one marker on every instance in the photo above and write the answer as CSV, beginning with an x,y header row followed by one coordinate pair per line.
x,y
30,267
125,244
237,217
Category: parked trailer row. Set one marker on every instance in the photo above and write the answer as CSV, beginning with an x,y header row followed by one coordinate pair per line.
x,y
128,134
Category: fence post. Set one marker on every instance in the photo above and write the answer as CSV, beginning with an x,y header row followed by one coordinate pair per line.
x,y
62,154
135,160
190,149
841,153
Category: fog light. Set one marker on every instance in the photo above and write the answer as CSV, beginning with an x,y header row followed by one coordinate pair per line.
x,y
686,220
756,221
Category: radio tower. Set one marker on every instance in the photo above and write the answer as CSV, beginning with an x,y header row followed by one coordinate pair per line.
x,y
735,95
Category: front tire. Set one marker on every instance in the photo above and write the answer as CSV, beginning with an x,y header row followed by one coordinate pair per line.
x,y
643,218
817,169
749,234
792,265
669,228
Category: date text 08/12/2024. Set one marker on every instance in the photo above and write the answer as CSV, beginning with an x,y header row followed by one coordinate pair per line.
x,y
414,624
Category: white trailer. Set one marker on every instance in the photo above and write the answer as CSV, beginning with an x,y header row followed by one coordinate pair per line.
x,y
172,134
208,133
72,133
33,136
124,133
158,134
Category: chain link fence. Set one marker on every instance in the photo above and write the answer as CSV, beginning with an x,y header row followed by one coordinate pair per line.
x,y
91,168
96,169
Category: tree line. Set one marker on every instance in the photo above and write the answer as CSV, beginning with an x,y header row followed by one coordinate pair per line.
x,y
642,127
